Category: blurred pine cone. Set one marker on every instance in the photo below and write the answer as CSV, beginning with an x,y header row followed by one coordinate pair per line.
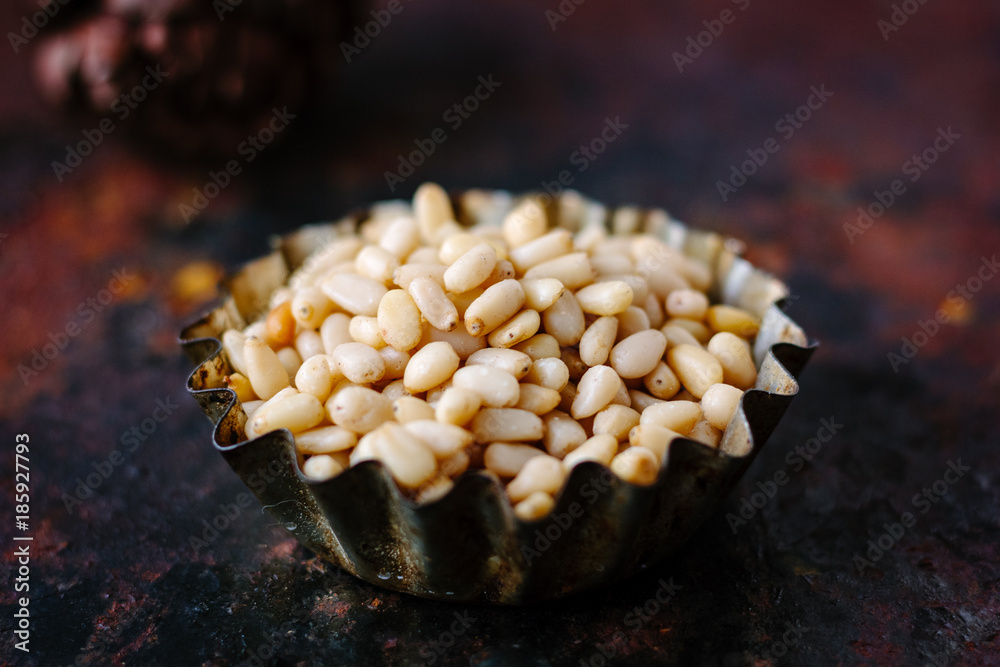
x,y
209,72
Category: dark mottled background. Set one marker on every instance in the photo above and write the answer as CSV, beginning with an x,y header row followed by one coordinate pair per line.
x,y
114,579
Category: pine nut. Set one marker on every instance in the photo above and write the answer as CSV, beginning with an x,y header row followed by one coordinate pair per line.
x,y
355,294
290,359
376,263
504,270
464,300
445,440
539,346
734,320
687,303
427,255
564,321
471,269
679,416
631,321
410,408
497,305
395,389
719,403
605,299
264,369
616,421
500,424
240,386
538,399
541,293
654,311
321,468
523,224
433,490
516,330
696,368
456,464
706,434
638,354
232,343
430,366
296,413
540,473
678,335
562,435
547,247
314,377
636,465
641,400
496,388
733,353
364,329
309,343
638,285
609,265
400,237
335,330
325,440
548,372
699,331
280,325
622,397
510,361
464,344
661,382
407,273
358,409
507,459
655,438
409,460
597,341
594,392
535,507
432,209
360,363
600,448
457,406
433,304
399,320
573,270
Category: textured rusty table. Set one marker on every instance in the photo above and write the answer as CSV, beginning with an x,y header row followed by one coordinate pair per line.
x,y
853,147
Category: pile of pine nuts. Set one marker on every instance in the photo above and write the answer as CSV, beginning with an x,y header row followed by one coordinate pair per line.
x,y
515,348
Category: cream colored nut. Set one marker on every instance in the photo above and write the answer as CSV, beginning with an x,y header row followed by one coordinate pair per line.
x,y
444,439
597,341
654,311
464,344
571,357
250,407
661,382
616,421
359,363
719,403
516,330
364,329
680,416
734,320
308,343
296,413
664,281
706,434
622,397
410,461
594,392
606,298
457,406
290,359
471,269
538,399
525,223
654,438
699,331
641,400
258,329
335,252
427,255
233,342
264,369
733,353
410,408
638,354
325,440
355,294
547,247
400,237
399,320
284,393
314,377
310,306
455,464
498,304
678,335
394,389
504,270
535,507
464,300
639,286
433,304
600,448
455,246
321,468
631,321
541,293
563,434
335,330
592,236
564,320
395,363
376,263
566,397
540,473
636,465
430,366
240,385
496,388
407,273
507,459
358,409
573,270
432,209
434,395
687,303
610,265
511,361
506,424
548,372
696,368
540,346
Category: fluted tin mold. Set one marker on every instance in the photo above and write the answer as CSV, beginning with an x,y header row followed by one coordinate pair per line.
x,y
468,546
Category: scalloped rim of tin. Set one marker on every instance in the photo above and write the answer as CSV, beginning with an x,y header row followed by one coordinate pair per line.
x,y
468,546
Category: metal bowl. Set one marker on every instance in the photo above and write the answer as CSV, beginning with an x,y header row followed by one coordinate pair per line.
x,y
469,546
